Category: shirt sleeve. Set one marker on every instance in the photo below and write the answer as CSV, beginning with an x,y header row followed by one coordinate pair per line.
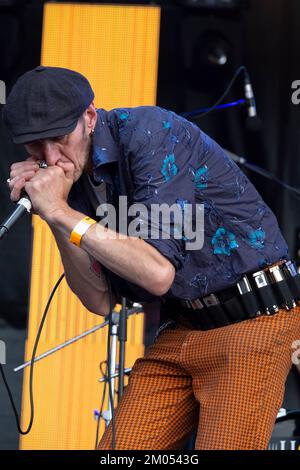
x,y
158,146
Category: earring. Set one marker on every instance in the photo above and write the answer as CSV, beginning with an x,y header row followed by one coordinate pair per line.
x,y
92,132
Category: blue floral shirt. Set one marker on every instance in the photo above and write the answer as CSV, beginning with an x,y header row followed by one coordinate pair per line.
x,y
154,156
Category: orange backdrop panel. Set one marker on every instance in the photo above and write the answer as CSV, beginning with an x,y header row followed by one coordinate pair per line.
x,y
116,48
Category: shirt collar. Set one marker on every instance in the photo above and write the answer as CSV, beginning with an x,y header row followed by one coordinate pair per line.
x,y
105,151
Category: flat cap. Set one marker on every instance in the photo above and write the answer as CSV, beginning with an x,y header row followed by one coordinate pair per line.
x,y
46,102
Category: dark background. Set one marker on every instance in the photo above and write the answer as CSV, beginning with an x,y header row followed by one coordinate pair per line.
x,y
261,34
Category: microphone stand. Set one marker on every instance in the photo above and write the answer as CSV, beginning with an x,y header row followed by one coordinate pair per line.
x,y
132,311
122,334
119,328
112,364
261,171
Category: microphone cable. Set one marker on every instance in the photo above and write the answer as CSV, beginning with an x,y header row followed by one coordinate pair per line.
x,y
242,68
26,431
100,413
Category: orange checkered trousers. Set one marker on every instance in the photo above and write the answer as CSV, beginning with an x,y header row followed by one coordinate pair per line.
x,y
226,383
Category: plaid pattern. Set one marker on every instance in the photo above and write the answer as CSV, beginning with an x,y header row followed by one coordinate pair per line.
x,y
236,373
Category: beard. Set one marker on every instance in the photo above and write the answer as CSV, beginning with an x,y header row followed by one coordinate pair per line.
x,y
88,167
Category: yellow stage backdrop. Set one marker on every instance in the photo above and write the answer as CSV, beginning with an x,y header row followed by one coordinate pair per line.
x,y
116,48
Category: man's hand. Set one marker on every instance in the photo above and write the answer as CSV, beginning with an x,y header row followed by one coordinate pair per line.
x,y
48,189
20,173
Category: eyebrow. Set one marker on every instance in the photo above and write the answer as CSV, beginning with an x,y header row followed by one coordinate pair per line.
x,y
59,137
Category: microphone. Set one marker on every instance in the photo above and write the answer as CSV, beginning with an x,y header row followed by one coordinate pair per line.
x,y
253,122
23,205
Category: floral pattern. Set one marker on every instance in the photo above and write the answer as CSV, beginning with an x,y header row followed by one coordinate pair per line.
x,y
200,177
224,242
169,167
256,238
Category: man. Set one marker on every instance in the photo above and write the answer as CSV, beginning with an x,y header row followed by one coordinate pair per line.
x,y
220,360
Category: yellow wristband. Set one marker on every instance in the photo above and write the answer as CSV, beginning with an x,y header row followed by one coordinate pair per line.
x,y
80,229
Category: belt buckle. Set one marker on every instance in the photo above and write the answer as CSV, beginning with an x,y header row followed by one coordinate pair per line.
x,y
195,304
211,300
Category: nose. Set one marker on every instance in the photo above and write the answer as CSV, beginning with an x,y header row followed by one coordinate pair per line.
x,y
51,152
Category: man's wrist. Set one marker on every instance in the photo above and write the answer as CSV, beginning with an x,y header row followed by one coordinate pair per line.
x,y
56,216
63,219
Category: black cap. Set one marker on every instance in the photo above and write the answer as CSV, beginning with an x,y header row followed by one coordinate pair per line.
x,y
46,102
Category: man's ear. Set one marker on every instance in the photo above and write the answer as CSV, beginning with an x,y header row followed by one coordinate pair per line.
x,y
91,115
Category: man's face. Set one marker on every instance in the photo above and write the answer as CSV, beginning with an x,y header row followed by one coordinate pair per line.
x,y
73,147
